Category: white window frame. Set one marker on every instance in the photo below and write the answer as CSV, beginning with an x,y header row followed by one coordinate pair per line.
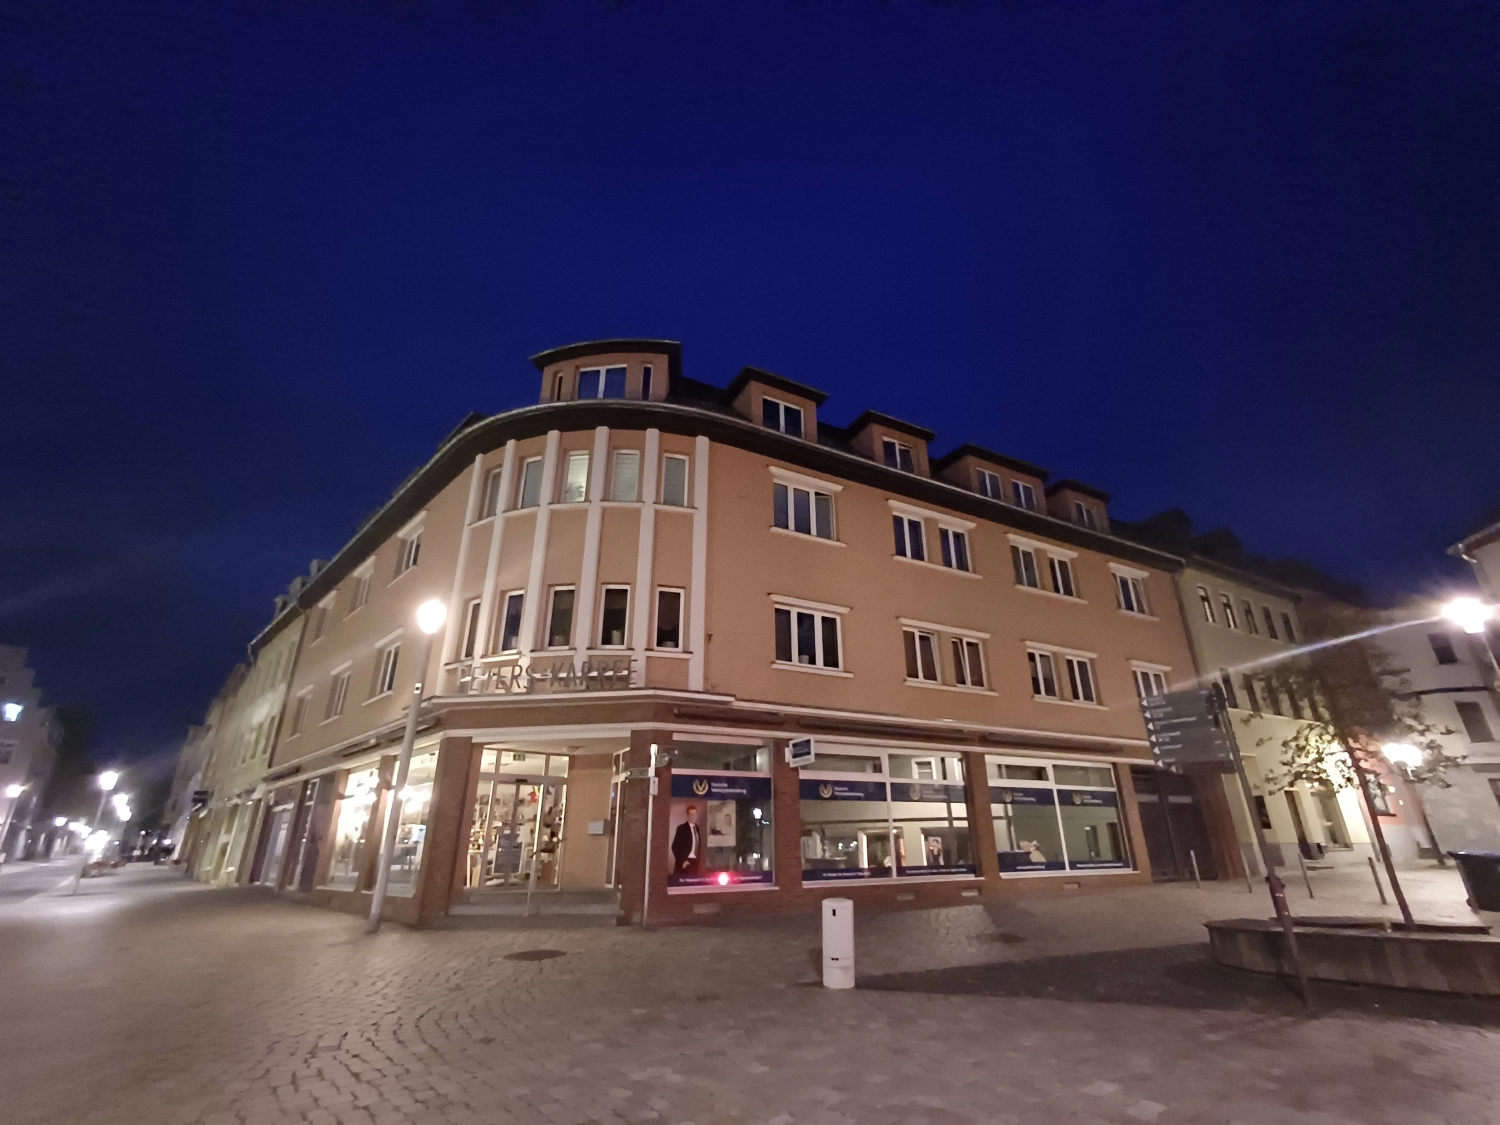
x,y
410,538
338,691
582,371
1034,664
361,594
1083,683
1226,609
1060,567
614,476
502,612
604,592
911,642
967,653
897,448
522,478
781,408
469,647
569,490
819,611
552,611
983,485
490,506
1129,578
681,595
1206,606
301,705
794,483
1085,516
1024,493
904,531
1248,609
1061,674
387,662
1019,553
686,480
1153,676
949,541
321,615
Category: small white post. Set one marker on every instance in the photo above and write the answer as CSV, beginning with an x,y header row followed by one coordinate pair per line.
x,y
838,943
1197,878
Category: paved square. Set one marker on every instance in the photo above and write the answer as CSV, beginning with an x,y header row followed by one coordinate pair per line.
x,y
150,999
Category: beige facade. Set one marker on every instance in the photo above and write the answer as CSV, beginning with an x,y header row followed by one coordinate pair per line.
x,y
718,574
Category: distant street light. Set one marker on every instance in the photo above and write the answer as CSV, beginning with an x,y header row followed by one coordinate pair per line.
x,y
11,712
430,617
13,791
107,781
1406,757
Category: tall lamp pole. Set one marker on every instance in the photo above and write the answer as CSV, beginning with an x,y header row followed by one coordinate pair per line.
x,y
107,781
430,617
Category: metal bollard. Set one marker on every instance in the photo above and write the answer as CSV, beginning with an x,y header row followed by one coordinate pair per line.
x,y
1305,877
1192,855
1376,876
838,943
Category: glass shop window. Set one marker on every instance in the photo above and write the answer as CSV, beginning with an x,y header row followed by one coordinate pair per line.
x,y
1062,816
721,757
351,829
846,830
930,815
1092,836
719,831
411,832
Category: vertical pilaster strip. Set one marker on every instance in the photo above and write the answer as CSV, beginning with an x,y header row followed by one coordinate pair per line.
x,y
588,578
539,544
698,626
455,611
491,572
645,555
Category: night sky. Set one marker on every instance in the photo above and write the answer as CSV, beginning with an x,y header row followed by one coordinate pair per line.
x,y
258,259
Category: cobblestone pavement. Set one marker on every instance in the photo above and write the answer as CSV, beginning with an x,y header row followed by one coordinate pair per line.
x,y
150,999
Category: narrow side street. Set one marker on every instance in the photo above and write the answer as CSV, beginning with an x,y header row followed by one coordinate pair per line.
x,y
150,998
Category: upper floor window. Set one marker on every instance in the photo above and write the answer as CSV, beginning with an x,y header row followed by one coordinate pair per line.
x,y
411,551
1249,611
492,484
299,712
805,510
625,475
1084,516
385,670
560,619
1132,594
557,387
471,629
674,480
1024,561
1442,648
1062,577
1476,725
510,623
361,593
955,548
613,617
1080,678
1226,603
1207,605
1252,697
1286,625
319,623
1043,674
804,636
575,488
529,495
1025,495
911,542
990,485
646,373
968,662
602,382
1149,682
338,694
669,619
921,655
1270,622
897,455
781,416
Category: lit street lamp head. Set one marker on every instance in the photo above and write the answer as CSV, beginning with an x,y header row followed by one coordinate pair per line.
x,y
1402,754
1471,614
430,616
109,779
14,791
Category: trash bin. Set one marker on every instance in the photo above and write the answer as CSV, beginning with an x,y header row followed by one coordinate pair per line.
x,y
1481,875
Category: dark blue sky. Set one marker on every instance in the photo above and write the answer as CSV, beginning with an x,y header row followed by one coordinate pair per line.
x,y
259,258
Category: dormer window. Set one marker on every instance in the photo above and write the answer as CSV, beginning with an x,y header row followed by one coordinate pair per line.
x,y
1025,495
897,455
1084,516
990,484
601,382
781,417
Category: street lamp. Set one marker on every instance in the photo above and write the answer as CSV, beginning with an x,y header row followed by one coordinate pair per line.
x,y
12,791
1406,757
430,617
1471,614
107,781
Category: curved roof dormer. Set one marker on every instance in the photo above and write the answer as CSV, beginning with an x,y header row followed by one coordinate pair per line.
x,y
638,369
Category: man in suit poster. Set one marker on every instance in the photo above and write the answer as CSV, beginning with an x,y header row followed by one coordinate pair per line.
x,y
687,845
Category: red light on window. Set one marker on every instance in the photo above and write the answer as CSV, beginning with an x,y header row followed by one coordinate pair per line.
x,y
723,878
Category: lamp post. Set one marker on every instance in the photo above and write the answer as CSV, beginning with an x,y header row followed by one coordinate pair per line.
x,y
13,794
107,781
430,617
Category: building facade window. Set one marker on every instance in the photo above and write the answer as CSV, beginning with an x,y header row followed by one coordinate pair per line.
x,y
510,622
720,820
1248,611
1149,682
782,417
1131,592
471,629
1043,674
299,712
1476,726
560,617
613,616
1024,561
351,829
803,510
317,623
807,637
410,552
968,662
605,382
921,655
897,455
1081,679
385,670
338,694
575,489
492,485
1025,495
529,494
1252,697
669,619
411,828
1226,606
954,545
674,481
911,542
625,476
1269,620
1084,516
361,589
989,484
1055,817
1287,632
873,815
646,374
1206,604
1062,577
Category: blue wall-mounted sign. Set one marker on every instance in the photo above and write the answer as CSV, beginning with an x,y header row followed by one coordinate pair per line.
x,y
842,790
928,792
726,879
1022,861
1017,795
1087,798
718,788
1096,864
843,874
938,869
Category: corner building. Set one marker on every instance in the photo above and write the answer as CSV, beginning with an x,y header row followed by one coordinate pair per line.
x,y
951,648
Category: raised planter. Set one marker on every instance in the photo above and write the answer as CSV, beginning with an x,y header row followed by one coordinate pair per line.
x,y
1434,958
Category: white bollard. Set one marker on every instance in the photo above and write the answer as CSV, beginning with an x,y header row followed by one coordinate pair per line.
x,y
838,943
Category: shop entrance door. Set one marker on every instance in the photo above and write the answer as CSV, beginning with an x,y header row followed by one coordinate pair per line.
x,y
1173,824
270,870
517,838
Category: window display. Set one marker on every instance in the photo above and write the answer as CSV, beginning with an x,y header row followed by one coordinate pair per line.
x,y
719,831
411,832
1057,816
351,828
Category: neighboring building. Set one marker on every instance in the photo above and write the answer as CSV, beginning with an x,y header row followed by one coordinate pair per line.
x,y
28,749
187,795
1482,551
646,561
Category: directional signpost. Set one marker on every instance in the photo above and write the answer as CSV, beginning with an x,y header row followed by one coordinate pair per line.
x,y
1193,728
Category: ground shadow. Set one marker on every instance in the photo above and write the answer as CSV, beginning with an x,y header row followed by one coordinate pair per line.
x,y
1181,976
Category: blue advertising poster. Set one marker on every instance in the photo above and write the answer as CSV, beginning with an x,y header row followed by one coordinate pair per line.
x,y
927,792
1026,861
843,874
1096,864
937,869
722,879
717,788
1087,798
842,790
1006,795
